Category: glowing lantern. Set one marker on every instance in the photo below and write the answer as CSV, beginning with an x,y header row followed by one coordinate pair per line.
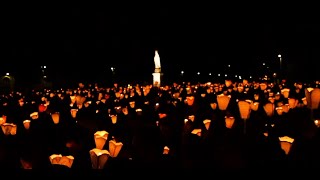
x,y
229,121
34,115
254,106
263,86
191,118
190,100
279,110
307,92
166,150
304,101
42,108
207,123
256,97
286,143
139,112
132,104
228,83
196,132
285,92
113,119
269,108
223,101
55,117
213,105
244,108
315,98
58,159
9,129
317,123
3,120
100,138
26,124
285,108
98,158
114,148
271,99
74,113
73,99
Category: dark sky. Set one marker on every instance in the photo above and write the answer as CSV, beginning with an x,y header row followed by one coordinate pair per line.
x,y
71,40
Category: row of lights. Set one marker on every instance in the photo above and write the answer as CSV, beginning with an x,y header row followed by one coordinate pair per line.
x,y
210,74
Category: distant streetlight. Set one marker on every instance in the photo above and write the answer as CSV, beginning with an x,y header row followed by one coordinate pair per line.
x,y
7,74
182,72
209,74
198,73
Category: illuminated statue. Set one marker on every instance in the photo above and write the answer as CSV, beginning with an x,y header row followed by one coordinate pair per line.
x,y
157,71
157,62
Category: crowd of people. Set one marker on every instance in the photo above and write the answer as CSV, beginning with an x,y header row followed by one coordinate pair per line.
x,y
181,125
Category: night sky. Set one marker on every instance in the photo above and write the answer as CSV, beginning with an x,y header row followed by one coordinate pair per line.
x,y
82,43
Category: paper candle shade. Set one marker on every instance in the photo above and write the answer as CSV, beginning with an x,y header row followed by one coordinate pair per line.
x,y
244,108
269,108
166,150
279,110
26,124
98,158
307,92
263,86
254,106
73,99
42,107
74,113
3,120
213,106
55,117
196,132
229,121
67,161
9,129
304,101
228,83
223,101
315,98
132,104
286,143
285,108
100,138
285,92
58,159
113,119
34,115
191,118
317,123
207,123
114,148
190,100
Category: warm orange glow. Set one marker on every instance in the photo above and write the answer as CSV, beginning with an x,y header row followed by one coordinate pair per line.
x,y
229,121
26,124
207,123
114,148
55,117
244,108
100,138
9,129
223,101
98,158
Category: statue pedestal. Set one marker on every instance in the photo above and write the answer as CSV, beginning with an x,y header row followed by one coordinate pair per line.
x,y
157,76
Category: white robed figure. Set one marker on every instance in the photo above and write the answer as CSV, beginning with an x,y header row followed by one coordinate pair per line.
x,y
157,62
